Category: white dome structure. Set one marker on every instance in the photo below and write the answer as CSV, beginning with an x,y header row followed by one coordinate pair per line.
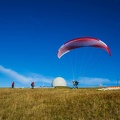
x,y
59,81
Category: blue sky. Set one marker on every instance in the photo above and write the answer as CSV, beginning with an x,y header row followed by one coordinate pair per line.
x,y
31,32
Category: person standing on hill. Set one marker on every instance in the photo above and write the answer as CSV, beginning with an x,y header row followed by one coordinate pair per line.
x,y
13,84
75,83
32,85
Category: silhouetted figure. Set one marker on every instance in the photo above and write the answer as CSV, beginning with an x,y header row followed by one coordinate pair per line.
x,y
32,85
13,84
75,83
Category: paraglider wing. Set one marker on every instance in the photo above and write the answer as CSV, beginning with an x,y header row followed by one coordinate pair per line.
x,y
82,42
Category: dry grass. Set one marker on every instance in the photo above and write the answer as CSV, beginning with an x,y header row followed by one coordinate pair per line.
x,y
59,104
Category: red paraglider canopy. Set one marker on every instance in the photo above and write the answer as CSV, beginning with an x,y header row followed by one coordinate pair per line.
x,y
82,42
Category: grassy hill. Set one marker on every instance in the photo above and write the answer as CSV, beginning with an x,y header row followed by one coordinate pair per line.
x,y
59,104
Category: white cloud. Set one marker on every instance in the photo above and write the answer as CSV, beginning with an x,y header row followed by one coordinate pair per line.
x,y
25,79
91,82
40,78
87,81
